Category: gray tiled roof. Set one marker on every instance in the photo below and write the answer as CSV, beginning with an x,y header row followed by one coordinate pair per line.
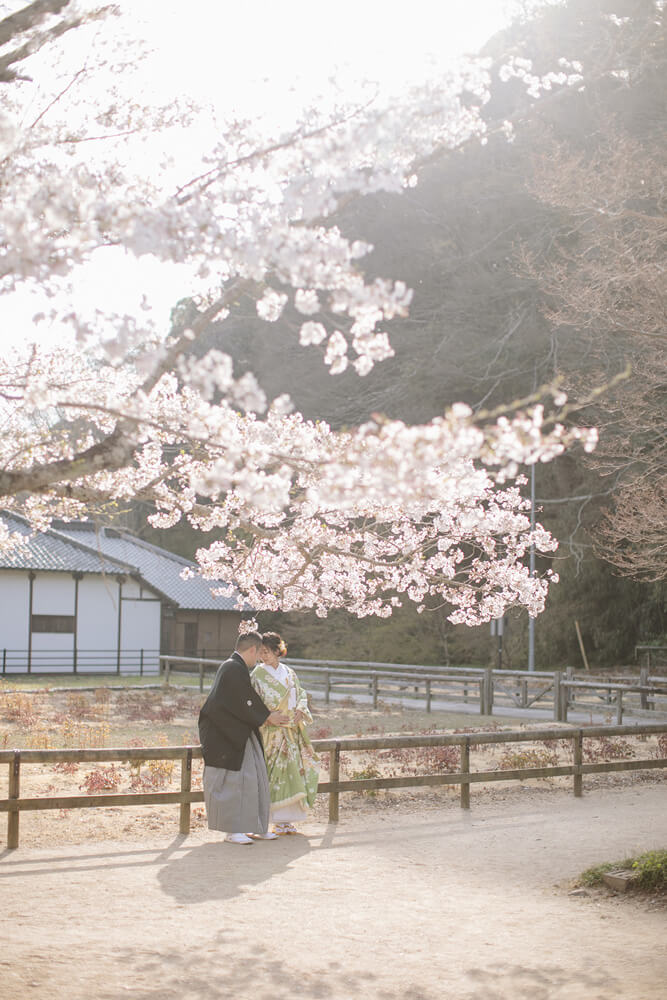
x,y
50,550
83,547
158,567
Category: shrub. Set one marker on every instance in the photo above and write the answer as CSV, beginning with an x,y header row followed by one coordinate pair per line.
x,y
514,759
651,869
75,733
139,706
661,750
600,748
18,708
370,771
436,760
65,767
39,737
101,779
593,876
402,758
78,706
159,774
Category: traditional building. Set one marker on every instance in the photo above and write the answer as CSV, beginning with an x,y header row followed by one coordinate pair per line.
x,y
86,599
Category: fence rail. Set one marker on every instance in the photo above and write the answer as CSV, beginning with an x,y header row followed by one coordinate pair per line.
x,y
79,661
555,690
14,804
650,654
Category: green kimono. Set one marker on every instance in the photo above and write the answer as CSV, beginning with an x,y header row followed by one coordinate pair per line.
x,y
291,761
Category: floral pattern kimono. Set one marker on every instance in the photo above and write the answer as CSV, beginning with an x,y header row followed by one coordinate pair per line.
x,y
291,761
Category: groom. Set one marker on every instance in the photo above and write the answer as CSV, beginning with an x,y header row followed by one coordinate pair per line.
x,y
236,785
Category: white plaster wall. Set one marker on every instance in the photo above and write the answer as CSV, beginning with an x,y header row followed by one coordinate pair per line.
x,y
52,652
53,594
97,623
14,604
140,629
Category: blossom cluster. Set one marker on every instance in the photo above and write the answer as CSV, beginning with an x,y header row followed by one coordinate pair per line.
x,y
304,516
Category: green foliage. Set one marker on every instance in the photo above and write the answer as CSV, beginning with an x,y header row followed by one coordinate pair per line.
x,y
364,773
593,876
650,869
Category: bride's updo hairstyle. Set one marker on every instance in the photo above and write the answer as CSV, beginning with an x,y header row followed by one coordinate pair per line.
x,y
275,643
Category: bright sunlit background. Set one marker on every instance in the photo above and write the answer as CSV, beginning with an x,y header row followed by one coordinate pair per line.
x,y
257,58
227,53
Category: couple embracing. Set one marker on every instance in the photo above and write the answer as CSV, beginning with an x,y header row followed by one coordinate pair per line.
x,y
259,763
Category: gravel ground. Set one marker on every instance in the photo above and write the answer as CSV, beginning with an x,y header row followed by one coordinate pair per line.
x,y
406,903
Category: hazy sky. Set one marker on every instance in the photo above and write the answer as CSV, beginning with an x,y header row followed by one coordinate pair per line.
x,y
260,56
223,52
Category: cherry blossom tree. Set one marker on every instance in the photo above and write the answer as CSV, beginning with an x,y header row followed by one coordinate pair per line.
x,y
305,517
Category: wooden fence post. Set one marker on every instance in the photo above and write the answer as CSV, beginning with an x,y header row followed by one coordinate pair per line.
x,y
186,784
201,675
334,775
428,696
327,687
482,696
558,676
619,707
578,756
465,769
374,688
581,644
524,692
13,793
488,691
167,669
643,682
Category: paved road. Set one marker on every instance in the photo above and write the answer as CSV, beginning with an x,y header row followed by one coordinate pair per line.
x,y
429,905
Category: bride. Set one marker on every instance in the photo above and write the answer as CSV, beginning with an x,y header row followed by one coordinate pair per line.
x,y
291,761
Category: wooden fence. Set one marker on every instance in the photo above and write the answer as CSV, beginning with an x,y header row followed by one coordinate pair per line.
x,y
651,655
13,805
89,662
557,691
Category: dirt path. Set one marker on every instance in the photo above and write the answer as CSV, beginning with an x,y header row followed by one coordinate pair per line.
x,y
424,906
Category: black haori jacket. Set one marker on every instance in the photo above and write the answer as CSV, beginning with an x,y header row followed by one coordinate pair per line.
x,y
232,711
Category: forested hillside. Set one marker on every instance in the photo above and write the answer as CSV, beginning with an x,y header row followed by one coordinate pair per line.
x,y
530,260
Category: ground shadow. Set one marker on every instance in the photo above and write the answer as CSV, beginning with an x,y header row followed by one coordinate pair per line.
x,y
541,983
239,966
221,871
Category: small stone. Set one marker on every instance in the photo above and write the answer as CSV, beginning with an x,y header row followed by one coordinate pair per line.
x,y
578,892
620,881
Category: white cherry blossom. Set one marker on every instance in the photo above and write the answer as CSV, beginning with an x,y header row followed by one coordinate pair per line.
x,y
303,516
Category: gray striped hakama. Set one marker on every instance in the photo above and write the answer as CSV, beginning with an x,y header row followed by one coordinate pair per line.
x,y
239,801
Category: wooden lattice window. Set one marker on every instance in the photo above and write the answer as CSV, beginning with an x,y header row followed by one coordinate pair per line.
x,y
53,623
